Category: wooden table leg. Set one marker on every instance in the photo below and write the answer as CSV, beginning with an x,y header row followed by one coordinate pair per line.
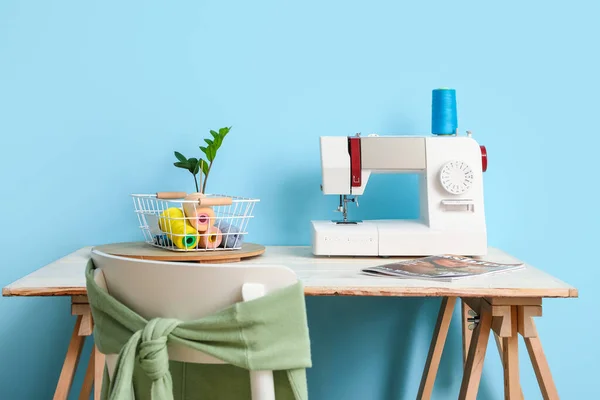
x,y
499,345
476,356
510,360
466,332
70,365
93,376
437,347
541,368
508,317
536,353
95,369
501,352
88,381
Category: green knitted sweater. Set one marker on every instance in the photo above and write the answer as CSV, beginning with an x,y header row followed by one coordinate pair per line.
x,y
268,333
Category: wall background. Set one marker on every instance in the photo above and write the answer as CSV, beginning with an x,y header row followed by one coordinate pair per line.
x,y
95,96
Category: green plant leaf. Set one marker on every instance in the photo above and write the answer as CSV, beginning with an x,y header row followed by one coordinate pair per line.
x,y
210,153
204,149
214,134
196,168
181,164
224,131
208,141
193,162
204,166
218,142
180,156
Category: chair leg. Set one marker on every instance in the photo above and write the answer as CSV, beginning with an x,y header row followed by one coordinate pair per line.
x,y
262,384
476,356
99,363
437,347
70,365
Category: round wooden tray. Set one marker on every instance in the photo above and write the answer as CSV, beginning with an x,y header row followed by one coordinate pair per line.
x,y
145,251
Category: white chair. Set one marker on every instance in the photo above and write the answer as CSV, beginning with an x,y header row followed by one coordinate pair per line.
x,y
188,291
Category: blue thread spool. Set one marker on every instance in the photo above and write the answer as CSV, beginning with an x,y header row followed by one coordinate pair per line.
x,y
444,120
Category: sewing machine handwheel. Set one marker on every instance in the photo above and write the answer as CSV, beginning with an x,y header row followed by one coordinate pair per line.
x,y
456,177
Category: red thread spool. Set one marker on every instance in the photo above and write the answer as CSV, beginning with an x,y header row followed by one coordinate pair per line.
x,y
484,158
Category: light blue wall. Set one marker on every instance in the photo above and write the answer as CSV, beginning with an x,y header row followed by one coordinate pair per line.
x,y
96,95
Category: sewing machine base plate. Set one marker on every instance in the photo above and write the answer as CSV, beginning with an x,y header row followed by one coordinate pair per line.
x,y
393,238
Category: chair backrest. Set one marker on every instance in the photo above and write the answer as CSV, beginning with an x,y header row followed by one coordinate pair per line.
x,y
188,291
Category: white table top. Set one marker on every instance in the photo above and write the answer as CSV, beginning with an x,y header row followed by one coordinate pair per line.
x,y
325,276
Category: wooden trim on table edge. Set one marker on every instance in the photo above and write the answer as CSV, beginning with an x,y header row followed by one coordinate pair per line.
x,y
439,292
345,291
45,292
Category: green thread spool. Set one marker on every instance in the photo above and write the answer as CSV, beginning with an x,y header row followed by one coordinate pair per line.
x,y
183,235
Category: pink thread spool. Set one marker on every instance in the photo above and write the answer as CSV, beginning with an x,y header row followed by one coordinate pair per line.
x,y
201,218
211,239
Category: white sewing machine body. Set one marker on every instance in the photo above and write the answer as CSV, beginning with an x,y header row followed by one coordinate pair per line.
x,y
452,218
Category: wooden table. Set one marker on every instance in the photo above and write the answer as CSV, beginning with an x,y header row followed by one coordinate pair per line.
x,y
504,304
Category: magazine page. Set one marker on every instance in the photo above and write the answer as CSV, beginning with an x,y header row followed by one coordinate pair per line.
x,y
443,267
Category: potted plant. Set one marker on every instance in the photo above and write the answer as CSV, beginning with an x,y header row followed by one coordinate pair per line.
x,y
200,166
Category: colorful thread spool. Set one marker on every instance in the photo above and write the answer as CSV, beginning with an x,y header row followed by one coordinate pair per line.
x,y
163,240
204,218
182,234
211,239
232,235
444,119
199,217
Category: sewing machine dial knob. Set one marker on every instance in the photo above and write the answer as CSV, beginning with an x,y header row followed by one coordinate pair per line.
x,y
456,177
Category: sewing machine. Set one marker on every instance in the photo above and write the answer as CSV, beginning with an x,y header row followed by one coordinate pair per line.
x,y
450,169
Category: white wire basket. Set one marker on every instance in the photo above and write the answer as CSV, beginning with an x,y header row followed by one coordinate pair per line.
x,y
195,222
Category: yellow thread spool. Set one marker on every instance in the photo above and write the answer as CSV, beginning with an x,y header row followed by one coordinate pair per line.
x,y
177,228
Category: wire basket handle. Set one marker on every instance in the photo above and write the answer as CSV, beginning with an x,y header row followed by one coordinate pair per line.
x,y
214,201
202,201
170,195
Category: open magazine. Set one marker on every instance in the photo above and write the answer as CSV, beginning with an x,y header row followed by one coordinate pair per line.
x,y
440,268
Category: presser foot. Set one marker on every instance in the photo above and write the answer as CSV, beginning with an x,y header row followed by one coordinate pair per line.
x,y
343,208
